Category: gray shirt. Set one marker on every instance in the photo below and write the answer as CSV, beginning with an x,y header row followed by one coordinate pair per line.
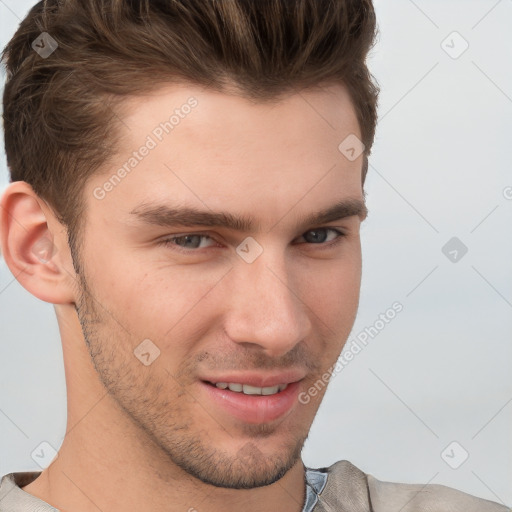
x,y
339,488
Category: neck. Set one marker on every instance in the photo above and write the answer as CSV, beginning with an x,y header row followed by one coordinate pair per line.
x,y
108,463
86,481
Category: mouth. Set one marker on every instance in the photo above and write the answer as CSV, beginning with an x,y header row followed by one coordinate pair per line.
x,y
253,398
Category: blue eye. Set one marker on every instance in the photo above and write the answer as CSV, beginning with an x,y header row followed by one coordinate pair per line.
x,y
187,241
320,236
192,242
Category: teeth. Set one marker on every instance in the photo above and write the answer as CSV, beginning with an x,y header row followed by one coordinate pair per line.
x,y
251,390
270,391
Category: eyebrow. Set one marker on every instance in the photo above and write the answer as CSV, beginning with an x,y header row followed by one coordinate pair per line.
x,y
168,216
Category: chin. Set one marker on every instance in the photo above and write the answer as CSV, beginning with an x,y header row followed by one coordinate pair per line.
x,y
248,468
248,480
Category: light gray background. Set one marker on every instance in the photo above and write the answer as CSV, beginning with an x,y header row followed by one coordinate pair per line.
x,y
440,371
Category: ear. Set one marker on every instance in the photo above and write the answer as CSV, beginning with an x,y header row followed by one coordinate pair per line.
x,y
34,245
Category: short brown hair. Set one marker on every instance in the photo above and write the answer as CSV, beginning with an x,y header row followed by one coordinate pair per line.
x,y
59,112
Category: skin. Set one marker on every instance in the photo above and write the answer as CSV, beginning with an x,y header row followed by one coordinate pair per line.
x,y
148,437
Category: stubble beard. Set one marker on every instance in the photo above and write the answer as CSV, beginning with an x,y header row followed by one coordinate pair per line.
x,y
164,423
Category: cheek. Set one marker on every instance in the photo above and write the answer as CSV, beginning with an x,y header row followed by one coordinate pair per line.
x,y
158,303
331,294
331,290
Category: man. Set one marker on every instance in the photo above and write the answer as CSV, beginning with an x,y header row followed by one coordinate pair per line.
x,y
188,192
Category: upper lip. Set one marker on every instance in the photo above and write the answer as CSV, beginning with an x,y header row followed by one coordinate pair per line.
x,y
257,379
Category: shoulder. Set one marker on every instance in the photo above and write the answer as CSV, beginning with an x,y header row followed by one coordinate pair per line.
x,y
14,499
348,486
388,496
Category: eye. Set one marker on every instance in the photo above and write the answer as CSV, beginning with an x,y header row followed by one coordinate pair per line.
x,y
193,242
319,236
188,241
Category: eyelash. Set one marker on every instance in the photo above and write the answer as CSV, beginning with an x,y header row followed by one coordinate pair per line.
x,y
168,242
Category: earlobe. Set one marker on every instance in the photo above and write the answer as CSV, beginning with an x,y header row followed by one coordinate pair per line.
x,y
34,245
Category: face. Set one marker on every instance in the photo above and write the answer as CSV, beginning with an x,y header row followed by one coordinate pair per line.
x,y
219,281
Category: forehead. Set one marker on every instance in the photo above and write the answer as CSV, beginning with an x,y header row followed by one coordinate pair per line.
x,y
199,147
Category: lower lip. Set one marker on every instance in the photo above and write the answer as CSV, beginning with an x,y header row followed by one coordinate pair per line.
x,y
255,409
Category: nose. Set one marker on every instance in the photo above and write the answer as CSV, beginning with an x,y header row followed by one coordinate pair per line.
x,y
264,310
